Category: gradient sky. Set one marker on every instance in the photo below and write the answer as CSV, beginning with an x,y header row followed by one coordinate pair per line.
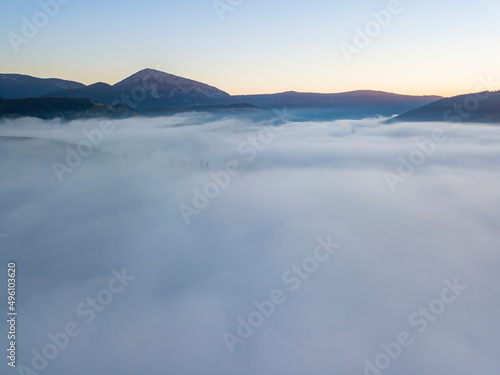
x,y
262,46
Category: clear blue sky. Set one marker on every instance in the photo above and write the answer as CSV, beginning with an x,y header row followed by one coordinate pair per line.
x,y
261,46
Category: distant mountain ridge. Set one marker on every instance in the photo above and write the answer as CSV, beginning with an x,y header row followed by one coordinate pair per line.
x,y
151,89
297,99
353,104
481,107
18,86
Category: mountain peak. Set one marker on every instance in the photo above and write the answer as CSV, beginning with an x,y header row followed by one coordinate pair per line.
x,y
150,71
99,85
168,85
146,73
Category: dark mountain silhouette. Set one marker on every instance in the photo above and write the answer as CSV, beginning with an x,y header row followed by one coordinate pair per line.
x,y
354,104
78,108
17,86
151,88
98,92
298,99
154,91
480,107
64,108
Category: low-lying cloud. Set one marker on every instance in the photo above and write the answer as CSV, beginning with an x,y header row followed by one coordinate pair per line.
x,y
118,210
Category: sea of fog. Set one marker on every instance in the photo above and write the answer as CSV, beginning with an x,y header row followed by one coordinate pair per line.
x,y
202,244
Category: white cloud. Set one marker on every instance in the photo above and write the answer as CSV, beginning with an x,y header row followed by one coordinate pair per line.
x,y
119,208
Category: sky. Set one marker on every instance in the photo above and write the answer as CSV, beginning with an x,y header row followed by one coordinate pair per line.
x,y
259,46
151,245
389,252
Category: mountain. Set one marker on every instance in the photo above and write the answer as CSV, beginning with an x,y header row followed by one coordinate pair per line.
x,y
298,99
353,104
171,86
480,107
98,92
151,88
16,86
64,108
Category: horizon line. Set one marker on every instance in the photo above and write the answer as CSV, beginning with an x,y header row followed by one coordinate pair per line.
x,y
260,93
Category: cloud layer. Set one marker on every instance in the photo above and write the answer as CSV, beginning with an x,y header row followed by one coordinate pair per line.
x,y
118,209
